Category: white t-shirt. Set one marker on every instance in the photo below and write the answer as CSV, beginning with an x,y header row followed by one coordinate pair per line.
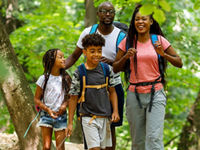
x,y
109,50
53,95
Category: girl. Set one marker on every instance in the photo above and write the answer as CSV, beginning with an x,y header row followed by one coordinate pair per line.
x,y
51,97
146,100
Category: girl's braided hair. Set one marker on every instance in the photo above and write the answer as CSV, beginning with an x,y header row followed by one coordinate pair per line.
x,y
48,62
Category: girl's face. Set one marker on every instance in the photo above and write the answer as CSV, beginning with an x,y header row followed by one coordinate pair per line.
x,y
60,60
142,23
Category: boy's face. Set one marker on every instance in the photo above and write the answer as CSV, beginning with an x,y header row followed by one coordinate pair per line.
x,y
93,54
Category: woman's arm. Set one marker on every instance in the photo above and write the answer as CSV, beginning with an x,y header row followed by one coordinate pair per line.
x,y
121,58
169,54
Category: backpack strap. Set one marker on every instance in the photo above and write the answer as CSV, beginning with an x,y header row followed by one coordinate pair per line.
x,y
154,38
83,80
120,37
94,28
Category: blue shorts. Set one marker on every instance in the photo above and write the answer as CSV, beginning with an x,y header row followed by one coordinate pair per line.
x,y
57,124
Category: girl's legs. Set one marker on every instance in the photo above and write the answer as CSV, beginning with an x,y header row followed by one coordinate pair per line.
x,y
60,135
136,118
155,122
46,137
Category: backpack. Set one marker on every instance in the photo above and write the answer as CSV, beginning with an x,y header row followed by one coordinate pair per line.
x,y
123,28
83,78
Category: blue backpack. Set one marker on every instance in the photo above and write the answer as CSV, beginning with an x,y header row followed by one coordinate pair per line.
x,y
83,73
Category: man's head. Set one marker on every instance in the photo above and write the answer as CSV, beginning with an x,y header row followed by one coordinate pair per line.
x,y
92,44
106,13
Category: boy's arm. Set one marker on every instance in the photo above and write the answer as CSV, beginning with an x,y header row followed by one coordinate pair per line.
x,y
72,107
114,102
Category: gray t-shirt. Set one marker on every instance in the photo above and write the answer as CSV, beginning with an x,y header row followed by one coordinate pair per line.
x,y
96,100
53,95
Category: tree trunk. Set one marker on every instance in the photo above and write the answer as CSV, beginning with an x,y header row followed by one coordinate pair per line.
x,y
90,13
18,96
190,136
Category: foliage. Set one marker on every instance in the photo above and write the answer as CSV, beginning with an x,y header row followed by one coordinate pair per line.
x,y
46,27
59,23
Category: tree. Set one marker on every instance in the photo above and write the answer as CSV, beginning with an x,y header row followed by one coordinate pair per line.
x,y
190,136
18,96
90,13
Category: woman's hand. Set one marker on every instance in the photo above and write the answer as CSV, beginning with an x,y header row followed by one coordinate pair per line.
x,y
159,48
131,52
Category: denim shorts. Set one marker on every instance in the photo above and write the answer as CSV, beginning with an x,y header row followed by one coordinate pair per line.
x,y
57,124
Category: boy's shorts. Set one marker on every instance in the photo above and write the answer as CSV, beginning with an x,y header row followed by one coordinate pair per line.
x,y
98,133
57,124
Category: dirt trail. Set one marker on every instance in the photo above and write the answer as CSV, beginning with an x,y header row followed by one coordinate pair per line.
x,y
10,142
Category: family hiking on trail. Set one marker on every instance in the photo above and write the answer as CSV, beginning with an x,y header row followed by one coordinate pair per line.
x,y
95,89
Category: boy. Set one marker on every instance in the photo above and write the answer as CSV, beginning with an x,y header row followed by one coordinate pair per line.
x,y
95,109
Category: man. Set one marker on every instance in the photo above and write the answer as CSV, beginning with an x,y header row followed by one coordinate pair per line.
x,y
106,14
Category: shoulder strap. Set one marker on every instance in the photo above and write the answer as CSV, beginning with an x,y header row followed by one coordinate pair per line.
x,y
106,70
120,37
82,72
94,28
154,38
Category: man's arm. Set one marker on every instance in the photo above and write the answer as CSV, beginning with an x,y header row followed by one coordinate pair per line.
x,y
73,57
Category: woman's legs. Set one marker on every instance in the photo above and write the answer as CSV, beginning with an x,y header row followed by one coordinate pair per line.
x,y
46,137
60,135
136,118
155,122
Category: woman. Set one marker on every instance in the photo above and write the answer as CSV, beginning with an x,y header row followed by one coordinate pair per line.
x,y
146,100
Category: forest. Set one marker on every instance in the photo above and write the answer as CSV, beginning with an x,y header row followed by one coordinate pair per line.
x,y
29,28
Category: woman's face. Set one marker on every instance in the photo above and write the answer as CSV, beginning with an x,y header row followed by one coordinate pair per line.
x,y
142,23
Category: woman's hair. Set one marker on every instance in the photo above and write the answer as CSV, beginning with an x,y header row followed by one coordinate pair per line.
x,y
132,36
94,39
49,59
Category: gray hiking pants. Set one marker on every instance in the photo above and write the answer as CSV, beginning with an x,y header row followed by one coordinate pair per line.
x,y
146,127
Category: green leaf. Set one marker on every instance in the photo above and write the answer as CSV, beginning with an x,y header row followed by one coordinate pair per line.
x,y
147,9
159,16
197,5
165,6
